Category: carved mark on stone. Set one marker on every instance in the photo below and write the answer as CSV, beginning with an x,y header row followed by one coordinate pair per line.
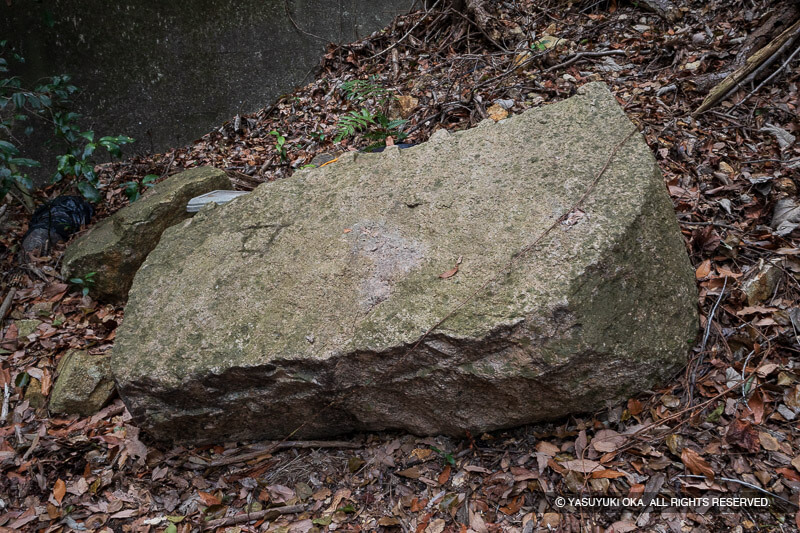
x,y
262,239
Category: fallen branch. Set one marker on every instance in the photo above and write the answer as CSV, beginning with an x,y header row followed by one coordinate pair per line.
x,y
754,63
282,446
769,78
755,40
6,398
414,27
269,514
6,305
580,55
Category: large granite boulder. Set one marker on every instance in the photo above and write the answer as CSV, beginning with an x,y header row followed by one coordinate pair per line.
x,y
300,305
116,247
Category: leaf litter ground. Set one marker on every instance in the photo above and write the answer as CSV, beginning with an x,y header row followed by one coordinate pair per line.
x,y
727,423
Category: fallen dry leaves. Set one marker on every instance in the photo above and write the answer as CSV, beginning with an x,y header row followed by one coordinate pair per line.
x,y
733,177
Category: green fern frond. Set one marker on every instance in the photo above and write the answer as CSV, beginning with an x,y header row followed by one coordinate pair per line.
x,y
361,90
352,122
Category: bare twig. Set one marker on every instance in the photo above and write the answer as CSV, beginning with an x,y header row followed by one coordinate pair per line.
x,y
768,79
701,356
257,515
745,484
6,397
754,64
6,305
581,55
401,39
281,446
715,224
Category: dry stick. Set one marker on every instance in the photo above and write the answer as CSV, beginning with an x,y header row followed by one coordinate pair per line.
x,y
6,397
732,81
6,305
692,374
581,55
414,27
746,484
257,515
768,79
516,257
283,445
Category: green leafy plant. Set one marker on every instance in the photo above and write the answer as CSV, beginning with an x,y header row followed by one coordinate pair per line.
x,y
280,145
46,103
133,189
371,119
360,90
86,282
448,457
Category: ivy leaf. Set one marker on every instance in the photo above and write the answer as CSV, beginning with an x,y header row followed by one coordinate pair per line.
x,y
89,191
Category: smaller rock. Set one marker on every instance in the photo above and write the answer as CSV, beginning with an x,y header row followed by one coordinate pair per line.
x,y
43,309
115,248
84,383
786,216
760,284
325,157
26,327
33,394
405,106
497,112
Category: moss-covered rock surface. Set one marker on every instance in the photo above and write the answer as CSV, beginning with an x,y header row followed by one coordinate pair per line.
x,y
301,304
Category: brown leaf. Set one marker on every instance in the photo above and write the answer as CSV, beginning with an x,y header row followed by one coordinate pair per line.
x,y
411,473
703,270
636,492
208,498
497,112
514,506
444,476
741,433
606,474
59,490
635,407
789,474
696,464
756,404
450,273
768,442
584,466
607,440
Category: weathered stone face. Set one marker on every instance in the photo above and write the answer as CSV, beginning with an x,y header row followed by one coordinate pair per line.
x,y
84,384
116,247
300,304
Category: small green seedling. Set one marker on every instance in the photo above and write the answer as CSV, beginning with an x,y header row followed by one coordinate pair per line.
x,y
448,457
280,145
132,188
86,282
